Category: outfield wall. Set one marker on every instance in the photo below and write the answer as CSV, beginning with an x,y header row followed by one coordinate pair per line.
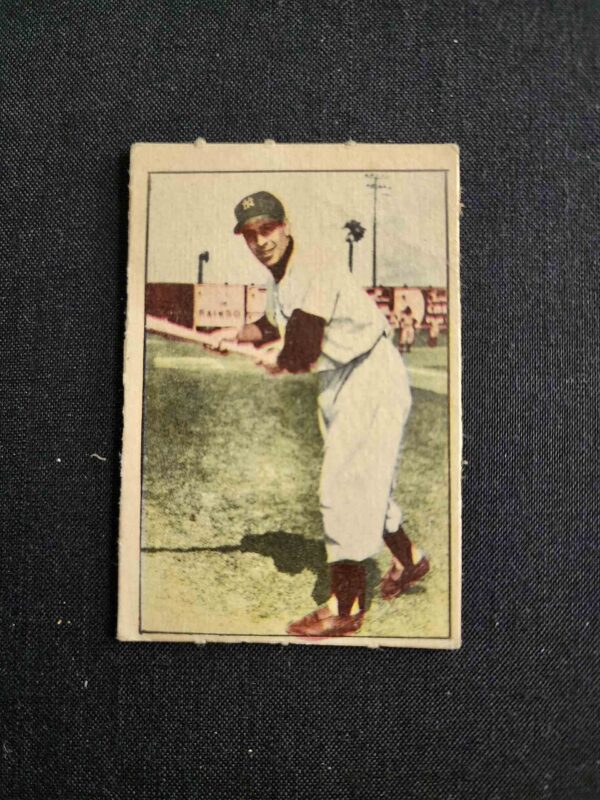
x,y
216,305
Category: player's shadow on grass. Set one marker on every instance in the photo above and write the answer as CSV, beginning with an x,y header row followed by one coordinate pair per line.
x,y
292,553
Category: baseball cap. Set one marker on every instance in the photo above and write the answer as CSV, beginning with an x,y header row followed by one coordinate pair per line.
x,y
259,204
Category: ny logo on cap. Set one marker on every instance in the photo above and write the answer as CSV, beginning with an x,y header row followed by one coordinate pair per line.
x,y
247,203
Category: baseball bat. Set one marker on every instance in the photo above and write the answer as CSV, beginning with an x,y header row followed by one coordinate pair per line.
x,y
211,341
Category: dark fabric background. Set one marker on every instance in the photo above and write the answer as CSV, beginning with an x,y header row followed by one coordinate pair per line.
x,y
514,713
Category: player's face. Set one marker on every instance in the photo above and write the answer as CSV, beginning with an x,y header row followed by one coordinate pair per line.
x,y
267,239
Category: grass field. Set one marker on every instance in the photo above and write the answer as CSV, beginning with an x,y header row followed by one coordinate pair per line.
x,y
232,532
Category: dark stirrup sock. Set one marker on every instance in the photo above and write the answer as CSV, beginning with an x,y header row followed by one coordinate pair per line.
x,y
348,583
400,545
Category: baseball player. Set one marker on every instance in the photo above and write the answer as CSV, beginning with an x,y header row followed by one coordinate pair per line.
x,y
407,330
330,325
434,331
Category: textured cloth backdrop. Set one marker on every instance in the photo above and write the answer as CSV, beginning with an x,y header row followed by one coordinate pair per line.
x,y
514,713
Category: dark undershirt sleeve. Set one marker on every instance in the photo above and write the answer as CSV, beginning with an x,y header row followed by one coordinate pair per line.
x,y
302,343
269,332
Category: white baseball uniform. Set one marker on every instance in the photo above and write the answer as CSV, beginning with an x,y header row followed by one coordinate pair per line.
x,y
363,403
407,329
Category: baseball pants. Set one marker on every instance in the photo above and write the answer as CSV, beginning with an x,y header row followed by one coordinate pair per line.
x,y
363,408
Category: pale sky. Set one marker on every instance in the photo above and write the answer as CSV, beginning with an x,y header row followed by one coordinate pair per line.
x,y
193,212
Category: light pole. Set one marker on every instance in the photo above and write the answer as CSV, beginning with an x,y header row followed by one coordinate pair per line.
x,y
203,258
376,186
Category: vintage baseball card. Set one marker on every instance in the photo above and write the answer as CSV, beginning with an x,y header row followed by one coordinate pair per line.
x,y
292,424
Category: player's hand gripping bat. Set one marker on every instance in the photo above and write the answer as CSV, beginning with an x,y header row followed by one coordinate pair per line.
x,y
222,340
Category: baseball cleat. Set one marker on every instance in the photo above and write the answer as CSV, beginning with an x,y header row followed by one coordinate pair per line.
x,y
323,623
393,585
